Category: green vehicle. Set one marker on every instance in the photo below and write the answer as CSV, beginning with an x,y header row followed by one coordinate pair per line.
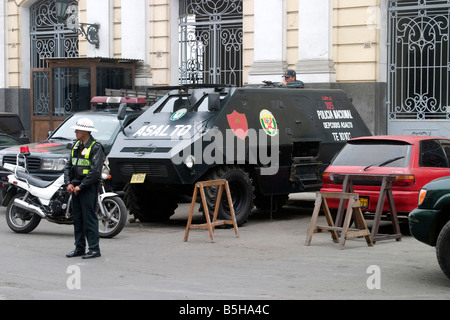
x,y
430,222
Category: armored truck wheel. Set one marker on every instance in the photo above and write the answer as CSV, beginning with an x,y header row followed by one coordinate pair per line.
x,y
443,249
148,204
241,190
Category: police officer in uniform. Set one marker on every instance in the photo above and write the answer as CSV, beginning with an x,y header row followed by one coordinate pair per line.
x,y
290,80
81,175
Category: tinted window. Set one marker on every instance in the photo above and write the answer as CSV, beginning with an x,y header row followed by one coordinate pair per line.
x,y
11,125
203,105
8,141
446,146
174,103
370,153
113,78
74,90
432,154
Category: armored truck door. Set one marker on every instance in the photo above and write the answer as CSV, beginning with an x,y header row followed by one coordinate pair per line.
x,y
318,123
326,117
263,110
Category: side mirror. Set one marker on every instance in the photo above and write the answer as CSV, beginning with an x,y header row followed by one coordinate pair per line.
x,y
122,111
213,101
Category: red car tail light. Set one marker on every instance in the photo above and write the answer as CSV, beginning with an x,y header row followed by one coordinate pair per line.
x,y
404,181
327,178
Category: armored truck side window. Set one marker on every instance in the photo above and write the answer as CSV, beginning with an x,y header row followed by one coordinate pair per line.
x,y
173,103
203,105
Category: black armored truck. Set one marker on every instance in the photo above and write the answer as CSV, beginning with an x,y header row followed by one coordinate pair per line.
x,y
267,142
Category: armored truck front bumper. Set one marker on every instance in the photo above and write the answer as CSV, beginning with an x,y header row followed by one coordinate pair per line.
x,y
157,165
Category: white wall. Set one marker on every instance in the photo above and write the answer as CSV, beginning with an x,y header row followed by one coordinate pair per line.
x,y
100,12
134,28
315,26
269,59
3,45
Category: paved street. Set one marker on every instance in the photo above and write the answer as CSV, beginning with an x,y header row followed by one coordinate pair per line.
x,y
268,261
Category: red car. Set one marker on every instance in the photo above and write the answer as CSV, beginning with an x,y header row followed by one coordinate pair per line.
x,y
413,160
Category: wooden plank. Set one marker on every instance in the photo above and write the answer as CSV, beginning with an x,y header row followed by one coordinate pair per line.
x,y
329,228
339,195
358,234
191,212
312,224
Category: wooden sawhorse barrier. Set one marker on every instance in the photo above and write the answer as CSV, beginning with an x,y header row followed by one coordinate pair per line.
x,y
385,195
210,225
353,210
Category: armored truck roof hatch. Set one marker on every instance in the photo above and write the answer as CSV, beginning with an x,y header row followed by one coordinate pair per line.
x,y
267,142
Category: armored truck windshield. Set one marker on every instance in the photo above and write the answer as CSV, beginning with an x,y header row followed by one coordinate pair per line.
x,y
180,114
194,101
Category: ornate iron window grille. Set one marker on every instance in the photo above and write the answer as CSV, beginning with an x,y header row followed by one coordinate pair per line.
x,y
418,59
210,42
49,39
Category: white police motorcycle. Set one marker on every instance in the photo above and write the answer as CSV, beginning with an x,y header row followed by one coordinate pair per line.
x,y
29,199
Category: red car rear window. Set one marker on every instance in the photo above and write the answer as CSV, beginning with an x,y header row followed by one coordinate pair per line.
x,y
374,154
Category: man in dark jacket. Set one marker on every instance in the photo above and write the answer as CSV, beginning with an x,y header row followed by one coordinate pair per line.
x,y
81,175
290,80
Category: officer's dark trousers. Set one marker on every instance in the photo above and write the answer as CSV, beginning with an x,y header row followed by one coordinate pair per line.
x,y
85,220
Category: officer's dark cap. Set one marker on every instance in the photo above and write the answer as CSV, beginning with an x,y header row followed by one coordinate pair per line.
x,y
289,73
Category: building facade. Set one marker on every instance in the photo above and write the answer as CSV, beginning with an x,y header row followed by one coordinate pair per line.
x,y
390,56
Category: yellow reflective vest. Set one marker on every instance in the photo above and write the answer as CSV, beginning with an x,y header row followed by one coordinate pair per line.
x,y
82,163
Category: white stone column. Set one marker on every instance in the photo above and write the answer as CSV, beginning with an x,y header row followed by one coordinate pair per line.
x,y
269,60
315,62
3,46
174,50
135,39
100,12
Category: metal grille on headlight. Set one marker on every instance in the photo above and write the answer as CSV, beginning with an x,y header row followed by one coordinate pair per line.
x,y
32,162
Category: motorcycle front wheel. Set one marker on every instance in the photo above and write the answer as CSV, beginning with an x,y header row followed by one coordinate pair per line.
x,y
117,210
20,220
